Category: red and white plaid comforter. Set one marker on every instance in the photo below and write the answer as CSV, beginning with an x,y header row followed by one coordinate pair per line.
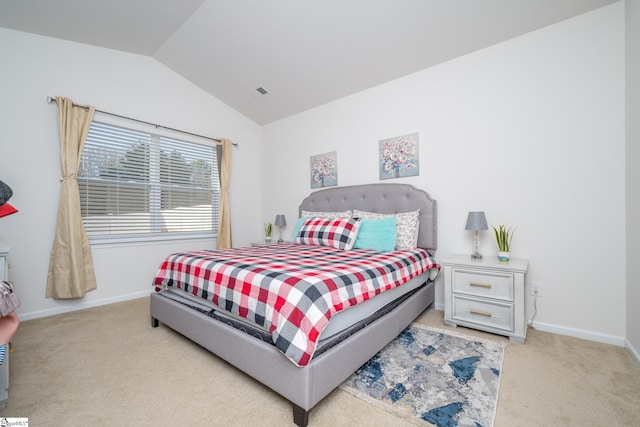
x,y
291,290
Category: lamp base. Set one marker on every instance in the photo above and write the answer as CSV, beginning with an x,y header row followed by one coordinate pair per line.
x,y
476,247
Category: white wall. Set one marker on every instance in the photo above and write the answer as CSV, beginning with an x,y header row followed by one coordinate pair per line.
x,y
530,130
34,67
546,110
633,175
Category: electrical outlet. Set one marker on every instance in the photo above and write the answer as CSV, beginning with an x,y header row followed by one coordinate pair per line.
x,y
536,289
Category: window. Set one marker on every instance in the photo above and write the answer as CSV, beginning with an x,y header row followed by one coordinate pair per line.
x,y
137,183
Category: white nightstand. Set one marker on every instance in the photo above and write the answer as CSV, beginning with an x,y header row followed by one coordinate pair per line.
x,y
486,295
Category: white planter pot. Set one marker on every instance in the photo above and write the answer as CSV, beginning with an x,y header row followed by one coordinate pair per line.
x,y
504,256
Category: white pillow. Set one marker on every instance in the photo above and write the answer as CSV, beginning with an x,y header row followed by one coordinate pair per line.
x,y
407,225
330,215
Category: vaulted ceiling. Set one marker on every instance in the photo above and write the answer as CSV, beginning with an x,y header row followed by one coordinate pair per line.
x,y
303,53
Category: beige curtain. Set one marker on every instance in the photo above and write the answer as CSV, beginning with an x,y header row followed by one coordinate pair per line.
x,y
71,272
224,216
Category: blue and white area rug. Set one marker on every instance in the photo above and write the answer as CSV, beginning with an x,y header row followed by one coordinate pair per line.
x,y
431,377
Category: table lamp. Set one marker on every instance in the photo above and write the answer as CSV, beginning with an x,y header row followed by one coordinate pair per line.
x,y
280,222
476,221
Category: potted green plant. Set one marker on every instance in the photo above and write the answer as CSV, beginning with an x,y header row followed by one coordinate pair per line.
x,y
268,229
504,236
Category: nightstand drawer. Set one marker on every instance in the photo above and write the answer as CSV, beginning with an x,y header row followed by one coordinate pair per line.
x,y
486,284
492,314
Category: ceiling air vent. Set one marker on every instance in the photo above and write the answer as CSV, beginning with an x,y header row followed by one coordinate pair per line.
x,y
259,92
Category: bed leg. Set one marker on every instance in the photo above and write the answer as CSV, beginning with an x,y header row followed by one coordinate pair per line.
x,y
155,322
300,416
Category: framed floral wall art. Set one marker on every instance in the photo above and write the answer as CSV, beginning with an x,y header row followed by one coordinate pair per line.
x,y
399,156
324,170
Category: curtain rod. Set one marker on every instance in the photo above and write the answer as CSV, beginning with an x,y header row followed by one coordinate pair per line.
x,y
51,99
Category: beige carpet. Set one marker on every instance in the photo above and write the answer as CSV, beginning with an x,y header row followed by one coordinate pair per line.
x,y
107,366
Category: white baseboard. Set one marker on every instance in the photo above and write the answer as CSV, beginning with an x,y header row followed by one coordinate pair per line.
x,y
79,305
577,333
633,352
580,333
546,327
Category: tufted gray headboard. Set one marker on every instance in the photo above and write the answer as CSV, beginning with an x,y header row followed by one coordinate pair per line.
x,y
381,198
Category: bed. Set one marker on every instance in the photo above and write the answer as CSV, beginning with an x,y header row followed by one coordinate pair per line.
x,y
306,379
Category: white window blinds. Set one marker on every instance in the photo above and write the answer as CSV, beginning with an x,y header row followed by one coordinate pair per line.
x,y
139,183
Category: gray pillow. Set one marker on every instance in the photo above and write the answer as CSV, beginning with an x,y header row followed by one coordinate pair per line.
x,y
5,193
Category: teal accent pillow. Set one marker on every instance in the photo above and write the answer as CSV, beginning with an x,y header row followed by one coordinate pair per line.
x,y
377,234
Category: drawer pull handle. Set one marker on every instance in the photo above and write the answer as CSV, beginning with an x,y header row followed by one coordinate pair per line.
x,y
482,285
482,313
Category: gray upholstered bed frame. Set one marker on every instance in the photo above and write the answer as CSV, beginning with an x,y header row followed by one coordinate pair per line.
x,y
305,386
